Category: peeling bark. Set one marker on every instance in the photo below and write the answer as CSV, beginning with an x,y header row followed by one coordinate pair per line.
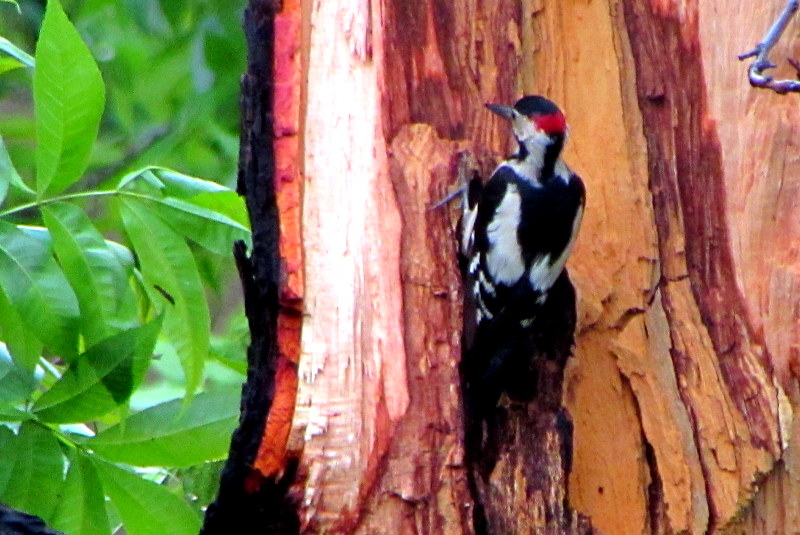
x,y
687,270
721,361
247,500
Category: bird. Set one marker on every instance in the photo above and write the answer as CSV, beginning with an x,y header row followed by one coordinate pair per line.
x,y
517,232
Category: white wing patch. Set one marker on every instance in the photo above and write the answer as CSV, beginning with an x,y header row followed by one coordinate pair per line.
x,y
504,258
543,273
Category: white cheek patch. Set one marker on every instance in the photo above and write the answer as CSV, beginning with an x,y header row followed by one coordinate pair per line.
x,y
504,258
523,127
536,143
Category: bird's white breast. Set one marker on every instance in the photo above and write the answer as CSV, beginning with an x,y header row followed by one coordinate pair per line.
x,y
504,258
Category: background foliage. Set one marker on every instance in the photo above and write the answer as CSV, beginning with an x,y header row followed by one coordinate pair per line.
x,y
121,331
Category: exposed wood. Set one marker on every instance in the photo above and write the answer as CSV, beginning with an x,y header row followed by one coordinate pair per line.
x,y
616,391
698,374
422,485
353,381
287,101
404,411
239,506
687,270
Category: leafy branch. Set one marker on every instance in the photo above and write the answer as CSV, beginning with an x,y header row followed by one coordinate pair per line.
x,y
82,314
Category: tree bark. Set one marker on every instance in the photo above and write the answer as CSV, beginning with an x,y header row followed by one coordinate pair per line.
x,y
678,392
253,495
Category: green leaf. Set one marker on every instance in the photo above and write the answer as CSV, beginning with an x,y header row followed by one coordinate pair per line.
x,y
69,95
145,174
15,4
25,349
82,508
172,183
146,507
200,483
100,379
36,287
100,281
9,64
227,203
185,186
33,466
174,11
168,267
205,212
209,229
9,413
8,446
123,254
8,174
15,52
16,382
172,435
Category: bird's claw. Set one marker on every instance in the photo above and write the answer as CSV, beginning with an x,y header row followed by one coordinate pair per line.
x,y
465,162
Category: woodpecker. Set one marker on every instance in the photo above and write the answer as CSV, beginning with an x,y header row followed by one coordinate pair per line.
x,y
519,228
517,231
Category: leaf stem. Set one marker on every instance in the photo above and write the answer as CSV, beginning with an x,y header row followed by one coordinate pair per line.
x,y
60,198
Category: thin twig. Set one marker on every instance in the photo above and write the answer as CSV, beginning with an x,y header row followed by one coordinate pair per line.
x,y
755,72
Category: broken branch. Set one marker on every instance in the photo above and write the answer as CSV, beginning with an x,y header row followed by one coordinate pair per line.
x,y
755,72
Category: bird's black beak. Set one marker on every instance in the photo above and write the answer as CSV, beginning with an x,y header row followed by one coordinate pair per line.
x,y
505,112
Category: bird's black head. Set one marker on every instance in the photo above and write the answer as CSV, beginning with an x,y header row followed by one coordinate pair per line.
x,y
546,115
540,129
535,105
532,115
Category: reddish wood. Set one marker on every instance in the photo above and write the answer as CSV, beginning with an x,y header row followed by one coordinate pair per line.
x,y
421,487
271,458
687,269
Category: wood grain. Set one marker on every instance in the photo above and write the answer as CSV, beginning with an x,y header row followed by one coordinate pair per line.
x,y
687,268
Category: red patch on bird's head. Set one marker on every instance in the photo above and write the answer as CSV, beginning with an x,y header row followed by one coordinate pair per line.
x,y
554,123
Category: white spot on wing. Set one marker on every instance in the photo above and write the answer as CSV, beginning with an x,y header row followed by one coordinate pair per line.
x,y
474,263
467,229
487,286
483,312
504,258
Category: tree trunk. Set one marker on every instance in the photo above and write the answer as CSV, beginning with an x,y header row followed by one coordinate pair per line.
x,y
679,389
